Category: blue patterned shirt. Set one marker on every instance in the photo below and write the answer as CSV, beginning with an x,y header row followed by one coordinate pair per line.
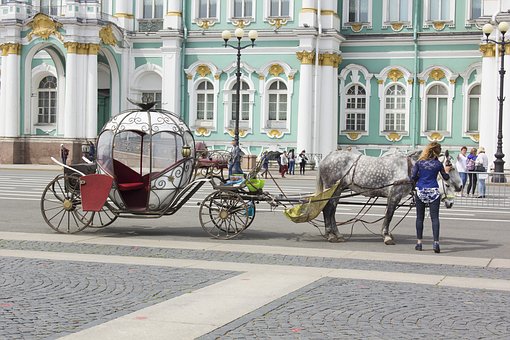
x,y
425,172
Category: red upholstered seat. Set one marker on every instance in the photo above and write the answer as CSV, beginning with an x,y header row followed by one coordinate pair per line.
x,y
130,186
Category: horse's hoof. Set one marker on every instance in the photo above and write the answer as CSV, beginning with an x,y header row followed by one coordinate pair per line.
x,y
388,240
335,239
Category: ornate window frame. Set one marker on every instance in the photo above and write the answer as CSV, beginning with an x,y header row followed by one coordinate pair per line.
x,y
137,89
243,20
38,74
438,24
389,76
470,21
205,23
355,72
278,21
196,73
269,73
435,75
356,26
229,90
473,73
140,11
399,24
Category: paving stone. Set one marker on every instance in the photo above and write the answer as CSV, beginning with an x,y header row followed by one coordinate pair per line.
x,y
240,257
42,299
383,311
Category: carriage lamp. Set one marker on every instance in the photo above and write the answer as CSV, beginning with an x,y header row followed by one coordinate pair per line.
x,y
499,163
186,151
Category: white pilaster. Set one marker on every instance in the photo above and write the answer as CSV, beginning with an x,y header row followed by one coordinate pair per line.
x,y
3,112
173,16
305,109
327,122
506,112
71,105
91,107
172,75
124,14
12,92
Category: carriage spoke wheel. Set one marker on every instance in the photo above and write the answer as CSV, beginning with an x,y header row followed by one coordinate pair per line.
x,y
223,214
61,205
103,217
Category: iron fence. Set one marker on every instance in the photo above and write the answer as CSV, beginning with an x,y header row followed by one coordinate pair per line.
x,y
497,193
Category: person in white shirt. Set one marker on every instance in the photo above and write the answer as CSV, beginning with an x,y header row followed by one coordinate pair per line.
x,y
461,167
284,161
482,164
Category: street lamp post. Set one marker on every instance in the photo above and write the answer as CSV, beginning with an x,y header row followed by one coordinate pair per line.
x,y
226,35
499,163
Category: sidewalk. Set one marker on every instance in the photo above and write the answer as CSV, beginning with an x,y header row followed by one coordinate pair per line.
x,y
187,290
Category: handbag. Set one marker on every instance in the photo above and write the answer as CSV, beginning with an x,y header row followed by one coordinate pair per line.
x,y
479,168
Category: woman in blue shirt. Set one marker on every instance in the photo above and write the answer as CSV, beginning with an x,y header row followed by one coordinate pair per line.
x,y
424,174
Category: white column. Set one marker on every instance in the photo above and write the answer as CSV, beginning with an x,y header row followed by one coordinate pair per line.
x,y
305,102
12,92
172,74
328,118
308,14
173,16
71,107
91,105
3,112
488,122
124,13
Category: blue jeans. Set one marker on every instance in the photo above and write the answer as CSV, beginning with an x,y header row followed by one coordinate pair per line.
x,y
481,186
292,165
463,177
434,216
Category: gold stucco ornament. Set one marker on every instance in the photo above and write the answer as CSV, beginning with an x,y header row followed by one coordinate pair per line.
x,y
107,36
44,26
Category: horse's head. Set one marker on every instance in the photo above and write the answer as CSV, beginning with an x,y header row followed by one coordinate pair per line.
x,y
454,183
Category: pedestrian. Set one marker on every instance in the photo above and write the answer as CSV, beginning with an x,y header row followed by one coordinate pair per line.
x,y
461,167
64,152
470,167
284,161
292,162
234,162
481,166
302,162
424,174
265,164
92,151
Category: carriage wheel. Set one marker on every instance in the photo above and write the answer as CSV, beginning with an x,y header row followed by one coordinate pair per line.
x,y
223,214
101,218
61,205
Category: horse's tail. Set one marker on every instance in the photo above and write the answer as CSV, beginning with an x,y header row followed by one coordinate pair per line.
x,y
319,186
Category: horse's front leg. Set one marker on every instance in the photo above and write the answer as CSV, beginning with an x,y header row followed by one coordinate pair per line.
x,y
332,233
390,210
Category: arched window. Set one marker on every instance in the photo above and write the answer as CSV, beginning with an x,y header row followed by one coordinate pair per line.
x,y
205,101
152,97
437,108
277,93
47,101
244,107
355,110
473,108
395,108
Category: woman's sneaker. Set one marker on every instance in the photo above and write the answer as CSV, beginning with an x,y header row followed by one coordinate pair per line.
x,y
436,248
418,247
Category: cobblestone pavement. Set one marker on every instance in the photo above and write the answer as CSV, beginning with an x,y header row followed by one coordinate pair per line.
x,y
45,299
80,288
357,309
242,257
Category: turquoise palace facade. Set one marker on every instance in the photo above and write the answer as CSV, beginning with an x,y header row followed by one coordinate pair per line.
x,y
371,75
